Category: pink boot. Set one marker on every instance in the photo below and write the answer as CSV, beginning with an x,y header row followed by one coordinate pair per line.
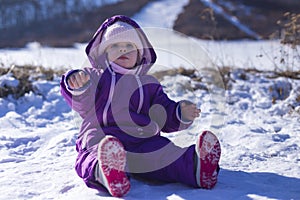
x,y
111,166
208,150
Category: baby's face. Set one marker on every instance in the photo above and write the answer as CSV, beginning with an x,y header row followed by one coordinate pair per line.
x,y
124,54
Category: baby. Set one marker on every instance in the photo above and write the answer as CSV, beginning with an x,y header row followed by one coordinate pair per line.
x,y
123,112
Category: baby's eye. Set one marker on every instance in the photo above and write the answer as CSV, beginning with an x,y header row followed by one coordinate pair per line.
x,y
114,46
129,46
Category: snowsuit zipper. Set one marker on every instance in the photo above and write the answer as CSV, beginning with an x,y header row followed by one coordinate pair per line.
x,y
141,92
110,96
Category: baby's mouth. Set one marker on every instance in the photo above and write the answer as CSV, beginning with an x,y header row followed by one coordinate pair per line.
x,y
123,57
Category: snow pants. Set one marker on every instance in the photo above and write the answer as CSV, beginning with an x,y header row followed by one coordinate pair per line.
x,y
158,159
153,159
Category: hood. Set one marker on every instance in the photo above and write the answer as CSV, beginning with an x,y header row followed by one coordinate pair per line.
x,y
99,61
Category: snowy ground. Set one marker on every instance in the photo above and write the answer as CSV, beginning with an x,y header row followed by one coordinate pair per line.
x,y
259,136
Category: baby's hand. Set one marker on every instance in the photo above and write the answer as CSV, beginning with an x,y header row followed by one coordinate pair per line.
x,y
78,79
189,111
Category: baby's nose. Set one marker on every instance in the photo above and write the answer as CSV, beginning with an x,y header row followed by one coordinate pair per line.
x,y
123,50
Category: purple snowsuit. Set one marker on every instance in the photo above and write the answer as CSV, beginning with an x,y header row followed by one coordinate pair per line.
x,y
134,109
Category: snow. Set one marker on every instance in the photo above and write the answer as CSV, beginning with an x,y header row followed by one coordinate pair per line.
x,y
8,80
232,19
259,137
165,18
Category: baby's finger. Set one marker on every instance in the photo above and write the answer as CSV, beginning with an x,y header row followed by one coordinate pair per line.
x,y
81,79
70,82
183,104
84,77
73,82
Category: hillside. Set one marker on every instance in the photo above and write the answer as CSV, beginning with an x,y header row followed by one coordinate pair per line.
x,y
63,29
199,19
264,17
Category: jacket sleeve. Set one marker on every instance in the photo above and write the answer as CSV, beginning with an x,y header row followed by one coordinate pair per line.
x,y
79,100
168,116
